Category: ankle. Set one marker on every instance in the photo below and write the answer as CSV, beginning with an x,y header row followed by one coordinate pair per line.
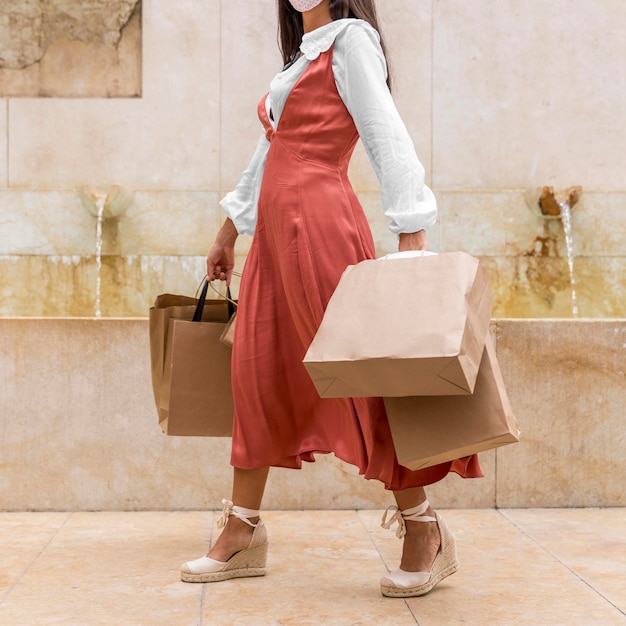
x,y
421,513
422,533
250,517
236,527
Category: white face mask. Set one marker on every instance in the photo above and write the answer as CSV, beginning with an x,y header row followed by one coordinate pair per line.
x,y
304,5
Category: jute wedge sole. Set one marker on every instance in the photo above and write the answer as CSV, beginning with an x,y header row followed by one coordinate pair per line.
x,y
243,564
392,591
445,564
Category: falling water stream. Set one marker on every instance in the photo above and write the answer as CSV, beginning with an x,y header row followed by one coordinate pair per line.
x,y
100,205
566,218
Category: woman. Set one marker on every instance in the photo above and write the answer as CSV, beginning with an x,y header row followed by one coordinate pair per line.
x,y
307,226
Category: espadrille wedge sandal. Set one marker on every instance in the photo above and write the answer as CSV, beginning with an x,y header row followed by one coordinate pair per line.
x,y
403,584
247,562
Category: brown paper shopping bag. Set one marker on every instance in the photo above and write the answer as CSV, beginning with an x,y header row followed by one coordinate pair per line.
x,y
403,327
191,366
428,430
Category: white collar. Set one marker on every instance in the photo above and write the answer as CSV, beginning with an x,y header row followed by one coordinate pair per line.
x,y
322,38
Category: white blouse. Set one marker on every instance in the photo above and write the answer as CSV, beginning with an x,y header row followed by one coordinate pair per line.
x,y
360,75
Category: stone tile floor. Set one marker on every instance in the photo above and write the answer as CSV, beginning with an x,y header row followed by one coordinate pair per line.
x,y
522,566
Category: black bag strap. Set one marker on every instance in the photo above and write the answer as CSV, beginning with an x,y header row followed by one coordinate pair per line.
x,y
197,316
232,307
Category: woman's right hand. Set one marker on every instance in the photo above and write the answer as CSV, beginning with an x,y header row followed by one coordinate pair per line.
x,y
220,261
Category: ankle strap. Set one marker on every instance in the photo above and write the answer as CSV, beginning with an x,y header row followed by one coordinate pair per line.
x,y
239,512
414,514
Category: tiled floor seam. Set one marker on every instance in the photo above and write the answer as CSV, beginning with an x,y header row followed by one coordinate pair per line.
x,y
369,534
204,585
5,597
202,599
558,560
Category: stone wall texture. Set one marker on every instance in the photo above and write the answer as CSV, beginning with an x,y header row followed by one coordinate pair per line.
x,y
499,99
72,48
79,430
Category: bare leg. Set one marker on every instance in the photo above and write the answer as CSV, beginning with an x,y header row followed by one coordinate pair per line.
x,y
248,488
422,539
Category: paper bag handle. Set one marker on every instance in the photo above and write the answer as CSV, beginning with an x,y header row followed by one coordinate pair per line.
x,y
197,316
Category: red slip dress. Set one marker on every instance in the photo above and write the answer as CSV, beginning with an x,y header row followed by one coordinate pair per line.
x,y
310,227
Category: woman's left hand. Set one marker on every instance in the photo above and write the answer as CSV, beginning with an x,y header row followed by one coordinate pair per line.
x,y
413,241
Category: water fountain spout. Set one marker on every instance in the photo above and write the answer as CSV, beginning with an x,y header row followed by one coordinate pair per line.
x,y
103,205
116,200
550,205
546,203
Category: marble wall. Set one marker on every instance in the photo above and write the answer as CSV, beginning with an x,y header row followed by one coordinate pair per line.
x,y
498,98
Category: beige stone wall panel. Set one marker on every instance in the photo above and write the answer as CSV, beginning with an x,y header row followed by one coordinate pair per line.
x,y
599,224
250,59
65,286
485,223
566,382
526,256
168,139
526,94
540,287
130,284
27,228
162,223
500,223
80,429
407,28
61,144
159,222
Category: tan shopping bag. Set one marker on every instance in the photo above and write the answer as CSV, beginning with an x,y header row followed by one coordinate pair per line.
x,y
191,366
227,337
428,430
403,327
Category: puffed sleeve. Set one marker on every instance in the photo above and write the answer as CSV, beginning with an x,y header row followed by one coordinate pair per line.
x,y
360,74
241,203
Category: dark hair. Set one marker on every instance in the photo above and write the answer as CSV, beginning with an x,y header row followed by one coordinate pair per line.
x,y
290,29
